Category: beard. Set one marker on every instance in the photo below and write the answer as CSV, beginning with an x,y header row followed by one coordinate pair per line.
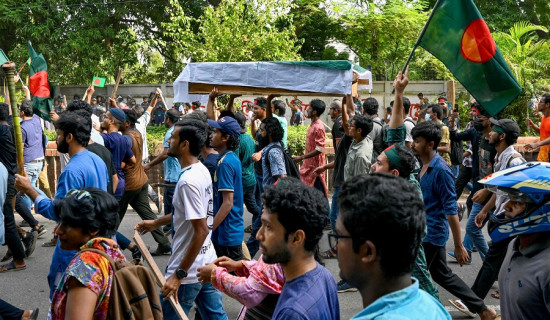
x,y
282,255
263,141
63,146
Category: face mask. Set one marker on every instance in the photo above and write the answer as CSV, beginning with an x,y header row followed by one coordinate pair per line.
x,y
427,117
478,124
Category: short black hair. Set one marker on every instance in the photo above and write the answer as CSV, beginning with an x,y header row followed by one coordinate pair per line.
x,y
407,161
131,117
100,213
197,104
76,97
437,110
80,105
273,129
388,109
226,113
370,106
197,114
241,119
139,110
280,107
261,101
428,130
363,123
26,108
71,122
173,115
298,207
406,104
195,132
373,206
545,98
4,111
318,106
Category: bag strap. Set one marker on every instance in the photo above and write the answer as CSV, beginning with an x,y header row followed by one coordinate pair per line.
x,y
410,120
103,253
514,156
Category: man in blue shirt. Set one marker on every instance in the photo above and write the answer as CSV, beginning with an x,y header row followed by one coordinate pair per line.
x,y
371,207
292,224
172,167
85,169
437,184
273,161
228,228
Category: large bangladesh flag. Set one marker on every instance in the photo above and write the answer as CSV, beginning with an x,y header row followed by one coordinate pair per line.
x,y
39,85
459,37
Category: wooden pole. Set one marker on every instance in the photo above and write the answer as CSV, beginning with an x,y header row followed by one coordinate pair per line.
x,y
118,76
9,70
157,274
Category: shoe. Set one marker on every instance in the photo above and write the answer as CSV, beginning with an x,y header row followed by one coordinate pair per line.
x,y
29,241
343,286
162,250
24,224
51,243
41,231
7,257
248,229
32,316
136,255
329,254
461,209
453,258
462,308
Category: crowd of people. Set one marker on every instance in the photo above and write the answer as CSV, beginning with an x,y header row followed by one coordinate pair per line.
x,y
396,184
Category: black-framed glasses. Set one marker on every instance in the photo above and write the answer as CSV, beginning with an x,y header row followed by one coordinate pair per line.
x,y
333,239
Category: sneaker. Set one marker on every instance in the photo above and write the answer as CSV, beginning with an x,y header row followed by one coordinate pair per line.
x,y
24,224
462,308
248,229
461,209
41,231
453,258
29,241
162,250
136,254
343,286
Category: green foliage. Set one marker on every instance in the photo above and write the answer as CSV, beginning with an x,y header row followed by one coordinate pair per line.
x,y
296,138
51,134
383,35
155,137
236,30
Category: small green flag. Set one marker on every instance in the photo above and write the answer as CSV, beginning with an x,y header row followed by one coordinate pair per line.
x,y
3,57
459,37
29,60
98,82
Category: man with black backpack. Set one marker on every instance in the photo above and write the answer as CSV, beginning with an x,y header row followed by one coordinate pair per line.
x,y
273,162
370,109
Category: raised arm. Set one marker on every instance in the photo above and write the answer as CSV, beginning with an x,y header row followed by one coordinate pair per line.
x,y
349,108
398,111
210,107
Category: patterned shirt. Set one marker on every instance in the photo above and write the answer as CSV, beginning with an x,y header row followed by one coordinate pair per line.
x,y
94,272
315,140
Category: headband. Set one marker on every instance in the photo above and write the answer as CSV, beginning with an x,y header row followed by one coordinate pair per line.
x,y
393,157
498,129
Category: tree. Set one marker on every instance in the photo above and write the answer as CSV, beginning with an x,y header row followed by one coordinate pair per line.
x,y
235,30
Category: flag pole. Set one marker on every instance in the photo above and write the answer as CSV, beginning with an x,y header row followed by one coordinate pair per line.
x,y
411,55
9,70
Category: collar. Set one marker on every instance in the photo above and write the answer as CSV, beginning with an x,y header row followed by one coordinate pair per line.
x,y
359,144
533,249
390,302
433,162
505,153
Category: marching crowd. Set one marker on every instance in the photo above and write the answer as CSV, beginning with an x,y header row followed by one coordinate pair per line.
x,y
396,187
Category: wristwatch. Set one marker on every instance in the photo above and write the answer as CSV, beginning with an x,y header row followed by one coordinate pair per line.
x,y
180,273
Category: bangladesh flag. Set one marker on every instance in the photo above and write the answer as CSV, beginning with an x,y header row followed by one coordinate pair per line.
x,y
457,35
98,82
39,85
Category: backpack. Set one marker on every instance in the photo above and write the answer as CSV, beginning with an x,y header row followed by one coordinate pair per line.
x,y
290,165
134,294
384,133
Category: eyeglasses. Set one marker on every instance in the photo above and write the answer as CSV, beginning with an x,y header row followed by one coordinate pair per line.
x,y
79,194
333,239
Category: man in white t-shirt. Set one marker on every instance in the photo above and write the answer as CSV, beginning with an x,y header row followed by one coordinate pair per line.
x,y
192,222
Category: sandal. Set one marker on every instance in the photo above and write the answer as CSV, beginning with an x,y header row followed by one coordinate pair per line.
x,y
11,267
462,308
495,294
329,254
6,257
32,316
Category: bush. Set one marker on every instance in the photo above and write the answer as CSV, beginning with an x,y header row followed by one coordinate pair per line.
x,y
296,139
51,134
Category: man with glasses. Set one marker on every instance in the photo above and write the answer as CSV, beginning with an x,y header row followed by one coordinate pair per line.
x,y
371,207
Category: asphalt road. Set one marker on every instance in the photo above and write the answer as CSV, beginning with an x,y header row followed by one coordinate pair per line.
x,y
28,289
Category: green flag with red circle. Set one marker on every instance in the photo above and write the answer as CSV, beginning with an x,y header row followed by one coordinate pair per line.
x,y
98,82
39,86
459,37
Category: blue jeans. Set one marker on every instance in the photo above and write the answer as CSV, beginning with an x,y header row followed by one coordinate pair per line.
x,y
33,171
168,197
333,215
474,236
206,297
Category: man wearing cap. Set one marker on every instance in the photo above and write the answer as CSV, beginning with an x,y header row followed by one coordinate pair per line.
x,y
172,168
228,227
119,147
503,136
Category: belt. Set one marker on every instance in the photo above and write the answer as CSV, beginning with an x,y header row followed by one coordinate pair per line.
x,y
36,161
